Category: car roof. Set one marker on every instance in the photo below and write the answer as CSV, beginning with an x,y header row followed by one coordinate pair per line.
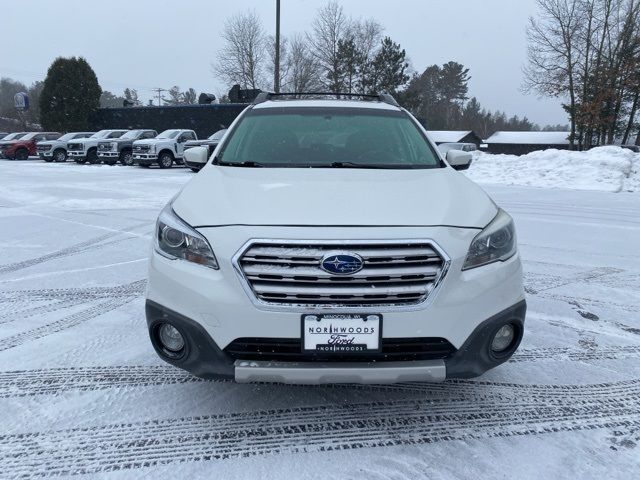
x,y
324,103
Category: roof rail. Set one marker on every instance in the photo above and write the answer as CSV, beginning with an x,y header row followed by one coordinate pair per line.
x,y
381,97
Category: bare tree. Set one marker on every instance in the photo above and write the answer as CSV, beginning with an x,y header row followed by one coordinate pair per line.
x,y
553,55
242,59
302,67
367,35
329,27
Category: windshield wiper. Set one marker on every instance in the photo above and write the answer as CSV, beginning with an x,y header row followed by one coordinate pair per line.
x,y
357,165
249,164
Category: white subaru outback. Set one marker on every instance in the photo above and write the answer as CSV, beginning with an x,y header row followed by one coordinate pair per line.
x,y
327,241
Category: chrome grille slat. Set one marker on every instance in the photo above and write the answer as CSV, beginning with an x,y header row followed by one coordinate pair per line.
x,y
288,274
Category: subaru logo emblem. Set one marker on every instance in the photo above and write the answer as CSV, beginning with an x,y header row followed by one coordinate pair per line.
x,y
342,263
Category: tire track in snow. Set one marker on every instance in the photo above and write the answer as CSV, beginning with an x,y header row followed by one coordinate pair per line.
x,y
450,412
137,288
65,252
89,293
39,310
22,383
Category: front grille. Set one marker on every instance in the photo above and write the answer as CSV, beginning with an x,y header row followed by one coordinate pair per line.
x,y
43,148
74,146
104,147
290,274
141,148
290,350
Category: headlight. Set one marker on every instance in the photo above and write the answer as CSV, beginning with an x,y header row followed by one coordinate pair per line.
x,y
152,149
497,242
114,146
175,239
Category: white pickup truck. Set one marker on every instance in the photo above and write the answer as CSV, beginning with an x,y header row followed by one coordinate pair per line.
x,y
83,150
164,150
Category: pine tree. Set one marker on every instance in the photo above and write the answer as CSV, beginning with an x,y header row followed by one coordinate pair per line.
x,y
71,93
390,66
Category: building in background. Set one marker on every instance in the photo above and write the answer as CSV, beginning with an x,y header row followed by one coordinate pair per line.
x,y
454,136
521,143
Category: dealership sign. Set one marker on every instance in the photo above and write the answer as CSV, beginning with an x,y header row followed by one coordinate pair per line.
x,y
21,101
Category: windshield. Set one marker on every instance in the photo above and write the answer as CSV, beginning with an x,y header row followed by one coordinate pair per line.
x,y
218,135
14,136
132,134
67,136
100,134
169,134
28,136
328,137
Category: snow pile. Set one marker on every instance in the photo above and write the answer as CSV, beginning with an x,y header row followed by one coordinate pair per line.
x,y
611,169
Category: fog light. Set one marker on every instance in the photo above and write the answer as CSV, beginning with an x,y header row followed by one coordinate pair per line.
x,y
503,338
171,338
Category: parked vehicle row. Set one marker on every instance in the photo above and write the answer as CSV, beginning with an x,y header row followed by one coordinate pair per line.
x,y
143,147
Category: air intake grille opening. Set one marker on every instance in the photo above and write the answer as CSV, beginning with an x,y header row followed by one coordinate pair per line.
x,y
289,350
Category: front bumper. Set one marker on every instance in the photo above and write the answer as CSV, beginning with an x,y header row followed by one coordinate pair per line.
x,y
204,358
221,311
108,155
45,154
76,154
145,158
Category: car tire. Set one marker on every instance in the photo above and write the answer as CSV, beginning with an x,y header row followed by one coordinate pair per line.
x,y
92,156
165,160
21,154
59,156
110,162
126,158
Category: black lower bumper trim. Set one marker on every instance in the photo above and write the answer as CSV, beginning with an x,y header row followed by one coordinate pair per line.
x,y
202,357
475,357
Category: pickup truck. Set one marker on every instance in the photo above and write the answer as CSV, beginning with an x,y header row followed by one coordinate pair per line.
x,y
120,149
56,150
83,150
164,150
211,143
25,146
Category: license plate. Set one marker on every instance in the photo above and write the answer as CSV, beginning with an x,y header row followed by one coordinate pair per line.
x,y
341,333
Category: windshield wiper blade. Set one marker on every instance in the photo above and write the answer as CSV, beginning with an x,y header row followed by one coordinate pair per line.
x,y
356,165
249,164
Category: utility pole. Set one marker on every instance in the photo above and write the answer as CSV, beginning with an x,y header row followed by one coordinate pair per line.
x,y
276,74
159,93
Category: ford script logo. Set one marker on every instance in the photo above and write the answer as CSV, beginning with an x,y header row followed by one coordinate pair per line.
x,y
342,263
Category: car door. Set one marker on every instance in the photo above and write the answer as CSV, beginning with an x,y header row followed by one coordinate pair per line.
x,y
182,139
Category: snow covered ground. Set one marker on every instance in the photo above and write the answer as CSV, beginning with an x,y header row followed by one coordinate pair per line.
x,y
82,393
610,169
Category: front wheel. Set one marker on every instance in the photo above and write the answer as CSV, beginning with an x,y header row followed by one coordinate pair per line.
x,y
58,156
92,156
126,158
22,154
165,160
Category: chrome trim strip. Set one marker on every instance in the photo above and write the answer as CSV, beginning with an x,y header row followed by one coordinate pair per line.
x,y
304,308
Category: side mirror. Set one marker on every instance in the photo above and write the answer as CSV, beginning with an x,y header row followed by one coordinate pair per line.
x,y
458,159
198,155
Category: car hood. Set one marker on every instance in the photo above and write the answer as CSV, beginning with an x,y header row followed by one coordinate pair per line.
x,y
153,141
333,196
84,140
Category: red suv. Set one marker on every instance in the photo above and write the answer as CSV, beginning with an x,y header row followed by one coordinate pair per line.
x,y
25,146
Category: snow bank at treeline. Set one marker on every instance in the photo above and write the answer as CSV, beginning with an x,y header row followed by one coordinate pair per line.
x,y
610,169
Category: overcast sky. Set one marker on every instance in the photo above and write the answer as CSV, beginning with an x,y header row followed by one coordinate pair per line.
x,y
152,43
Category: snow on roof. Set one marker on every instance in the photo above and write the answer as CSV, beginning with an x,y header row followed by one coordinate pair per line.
x,y
530,138
447,136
